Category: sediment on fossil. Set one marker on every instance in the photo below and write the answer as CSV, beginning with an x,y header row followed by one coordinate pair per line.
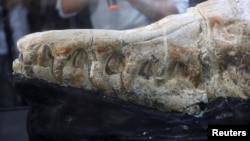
x,y
185,62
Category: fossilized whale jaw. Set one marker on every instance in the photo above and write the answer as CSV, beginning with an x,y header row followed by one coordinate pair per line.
x,y
124,64
173,64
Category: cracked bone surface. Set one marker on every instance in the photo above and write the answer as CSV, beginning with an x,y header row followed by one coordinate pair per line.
x,y
173,64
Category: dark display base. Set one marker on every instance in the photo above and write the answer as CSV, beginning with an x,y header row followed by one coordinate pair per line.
x,y
60,113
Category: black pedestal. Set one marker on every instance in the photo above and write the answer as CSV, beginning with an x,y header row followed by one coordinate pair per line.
x,y
60,113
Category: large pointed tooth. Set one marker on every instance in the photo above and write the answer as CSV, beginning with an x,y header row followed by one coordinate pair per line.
x,y
26,63
43,55
79,57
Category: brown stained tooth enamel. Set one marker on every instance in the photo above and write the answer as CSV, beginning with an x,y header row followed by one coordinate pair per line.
x,y
79,57
115,64
44,55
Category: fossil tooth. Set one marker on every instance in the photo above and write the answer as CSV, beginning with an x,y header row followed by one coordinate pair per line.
x,y
43,57
20,57
58,65
115,64
146,70
79,57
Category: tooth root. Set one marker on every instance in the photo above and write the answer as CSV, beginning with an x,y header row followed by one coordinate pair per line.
x,y
130,70
159,69
58,74
43,56
58,65
27,64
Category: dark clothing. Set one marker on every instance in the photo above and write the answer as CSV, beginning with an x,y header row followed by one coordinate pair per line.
x,y
192,3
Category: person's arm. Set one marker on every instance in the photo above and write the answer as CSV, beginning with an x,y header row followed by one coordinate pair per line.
x,y
70,7
155,9
12,3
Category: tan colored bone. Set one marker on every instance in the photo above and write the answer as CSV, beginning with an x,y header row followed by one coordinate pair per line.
x,y
172,64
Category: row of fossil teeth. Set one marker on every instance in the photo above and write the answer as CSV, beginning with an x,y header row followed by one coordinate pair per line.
x,y
41,56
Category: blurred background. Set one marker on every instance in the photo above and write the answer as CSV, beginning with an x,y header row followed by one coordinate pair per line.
x,y
18,18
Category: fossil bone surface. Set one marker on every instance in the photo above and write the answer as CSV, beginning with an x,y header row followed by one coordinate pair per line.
x,y
173,64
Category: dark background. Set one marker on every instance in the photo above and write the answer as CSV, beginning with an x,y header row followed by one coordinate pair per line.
x,y
42,16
